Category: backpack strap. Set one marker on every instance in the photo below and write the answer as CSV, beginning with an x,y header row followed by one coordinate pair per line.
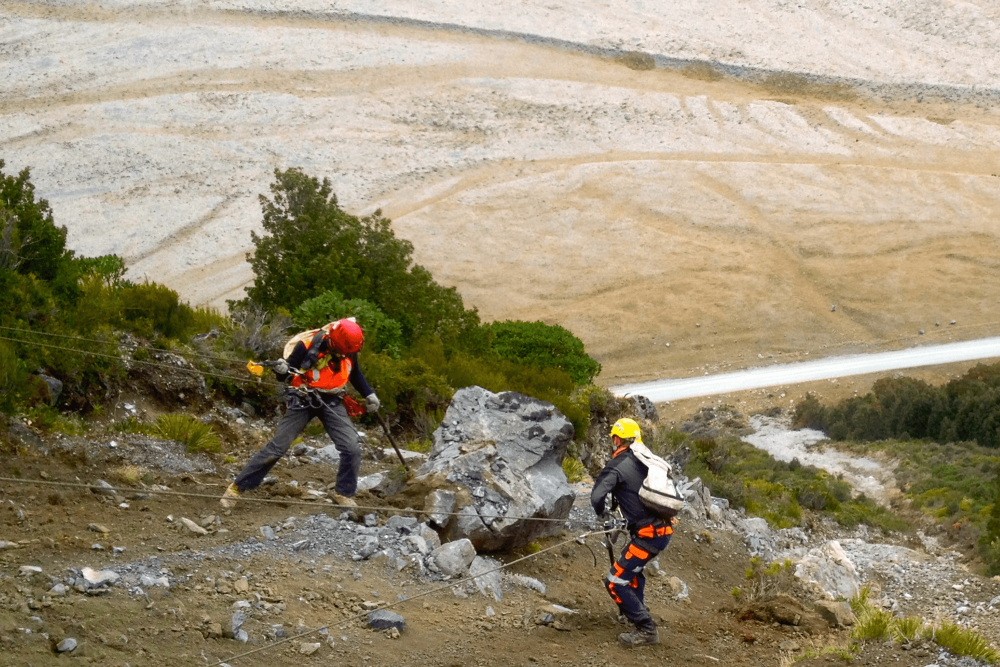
x,y
313,353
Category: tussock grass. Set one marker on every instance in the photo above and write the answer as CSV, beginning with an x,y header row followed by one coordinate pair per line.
x,y
963,641
574,469
196,436
130,474
133,425
874,624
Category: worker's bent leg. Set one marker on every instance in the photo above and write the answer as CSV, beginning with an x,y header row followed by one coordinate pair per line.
x,y
625,581
295,419
345,438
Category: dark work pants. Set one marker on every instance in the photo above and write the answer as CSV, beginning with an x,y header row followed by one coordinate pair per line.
x,y
300,411
626,583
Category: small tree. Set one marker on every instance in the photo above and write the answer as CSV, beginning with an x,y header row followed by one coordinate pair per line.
x,y
312,245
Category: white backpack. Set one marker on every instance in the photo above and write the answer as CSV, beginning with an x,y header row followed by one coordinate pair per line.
x,y
658,493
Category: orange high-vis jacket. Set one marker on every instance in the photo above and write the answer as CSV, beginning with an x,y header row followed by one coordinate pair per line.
x,y
322,376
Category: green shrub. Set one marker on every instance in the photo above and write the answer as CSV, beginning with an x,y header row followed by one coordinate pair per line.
x,y
12,378
195,435
764,581
543,346
382,333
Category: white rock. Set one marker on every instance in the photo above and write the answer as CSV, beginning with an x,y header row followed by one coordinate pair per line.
x,y
831,570
309,649
487,576
149,581
95,578
193,527
455,557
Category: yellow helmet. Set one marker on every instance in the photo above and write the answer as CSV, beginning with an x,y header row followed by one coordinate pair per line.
x,y
626,428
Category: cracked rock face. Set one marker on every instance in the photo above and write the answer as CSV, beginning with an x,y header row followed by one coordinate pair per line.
x,y
502,456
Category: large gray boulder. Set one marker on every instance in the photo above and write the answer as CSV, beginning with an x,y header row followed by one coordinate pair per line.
x,y
501,455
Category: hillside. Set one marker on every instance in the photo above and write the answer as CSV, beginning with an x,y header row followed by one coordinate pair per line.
x,y
771,164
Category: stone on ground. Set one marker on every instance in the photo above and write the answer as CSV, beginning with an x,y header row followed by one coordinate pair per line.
x,y
383,619
455,557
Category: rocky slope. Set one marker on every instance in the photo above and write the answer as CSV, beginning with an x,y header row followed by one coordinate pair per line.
x,y
152,573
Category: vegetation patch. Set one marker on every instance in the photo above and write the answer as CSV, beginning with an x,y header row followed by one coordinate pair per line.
x,y
574,469
195,435
876,624
944,439
775,490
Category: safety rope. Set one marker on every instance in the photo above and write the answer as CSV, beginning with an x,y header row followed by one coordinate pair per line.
x,y
341,624
98,341
146,363
313,504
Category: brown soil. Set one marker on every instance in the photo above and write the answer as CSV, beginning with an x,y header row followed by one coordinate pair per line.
x,y
169,627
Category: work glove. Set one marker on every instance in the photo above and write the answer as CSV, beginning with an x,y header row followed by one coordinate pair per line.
x,y
280,367
372,404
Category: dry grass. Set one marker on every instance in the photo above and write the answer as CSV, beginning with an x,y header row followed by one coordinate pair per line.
x,y
130,474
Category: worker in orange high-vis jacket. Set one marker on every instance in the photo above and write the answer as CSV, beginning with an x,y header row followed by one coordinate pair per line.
x,y
321,363
622,477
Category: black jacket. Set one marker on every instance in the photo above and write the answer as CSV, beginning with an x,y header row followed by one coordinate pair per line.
x,y
622,477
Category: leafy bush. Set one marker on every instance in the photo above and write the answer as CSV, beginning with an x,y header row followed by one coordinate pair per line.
x,y
150,309
543,346
967,408
195,435
12,378
382,333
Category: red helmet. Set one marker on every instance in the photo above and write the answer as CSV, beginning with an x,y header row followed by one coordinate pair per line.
x,y
346,336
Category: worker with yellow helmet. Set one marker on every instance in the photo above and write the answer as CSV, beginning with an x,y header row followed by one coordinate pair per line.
x,y
622,477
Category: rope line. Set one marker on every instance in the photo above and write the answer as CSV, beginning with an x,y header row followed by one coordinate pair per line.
x,y
343,623
146,363
314,504
35,332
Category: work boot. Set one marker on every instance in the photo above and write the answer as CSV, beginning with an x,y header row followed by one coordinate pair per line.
x,y
622,619
639,637
343,501
229,498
